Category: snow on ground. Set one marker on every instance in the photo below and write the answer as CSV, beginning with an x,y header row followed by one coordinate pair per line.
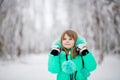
x,y
108,70
34,67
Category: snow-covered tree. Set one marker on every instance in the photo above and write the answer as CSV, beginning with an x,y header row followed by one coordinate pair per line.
x,y
30,26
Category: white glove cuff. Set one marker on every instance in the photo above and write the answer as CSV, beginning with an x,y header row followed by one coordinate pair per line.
x,y
81,46
83,49
56,48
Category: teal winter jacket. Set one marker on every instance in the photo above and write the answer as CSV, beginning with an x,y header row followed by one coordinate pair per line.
x,y
55,63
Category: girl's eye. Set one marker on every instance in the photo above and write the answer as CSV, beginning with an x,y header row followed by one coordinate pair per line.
x,y
70,38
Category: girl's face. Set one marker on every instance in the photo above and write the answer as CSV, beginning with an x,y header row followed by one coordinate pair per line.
x,y
68,42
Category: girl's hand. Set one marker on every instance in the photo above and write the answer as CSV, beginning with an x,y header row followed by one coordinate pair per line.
x,y
55,51
82,50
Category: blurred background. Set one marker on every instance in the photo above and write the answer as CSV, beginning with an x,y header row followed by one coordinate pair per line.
x,y
30,26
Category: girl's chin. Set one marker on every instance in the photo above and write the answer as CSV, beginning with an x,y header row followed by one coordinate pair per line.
x,y
69,48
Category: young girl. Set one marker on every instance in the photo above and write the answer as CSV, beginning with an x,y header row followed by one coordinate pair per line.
x,y
70,58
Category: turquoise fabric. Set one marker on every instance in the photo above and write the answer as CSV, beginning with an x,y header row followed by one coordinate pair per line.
x,y
68,66
89,62
80,40
55,64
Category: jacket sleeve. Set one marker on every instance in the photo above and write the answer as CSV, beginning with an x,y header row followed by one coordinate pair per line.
x,y
53,63
89,62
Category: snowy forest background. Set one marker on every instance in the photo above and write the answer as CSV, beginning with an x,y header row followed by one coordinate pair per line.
x,y
30,26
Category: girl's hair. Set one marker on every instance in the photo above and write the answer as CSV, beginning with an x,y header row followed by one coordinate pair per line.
x,y
72,34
